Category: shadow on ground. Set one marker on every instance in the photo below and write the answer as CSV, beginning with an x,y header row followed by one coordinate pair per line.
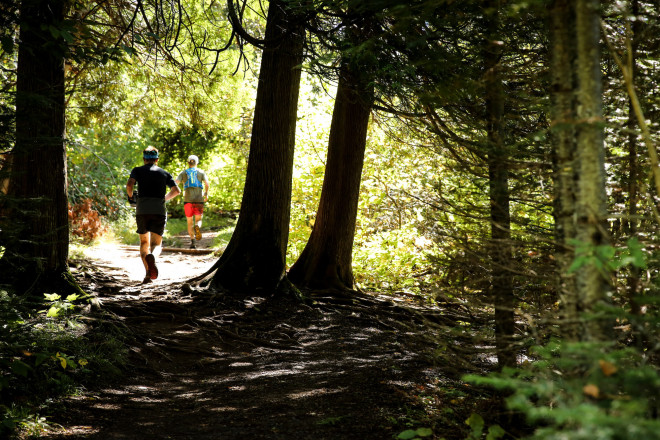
x,y
207,366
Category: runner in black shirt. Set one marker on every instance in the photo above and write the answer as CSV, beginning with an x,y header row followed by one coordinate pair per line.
x,y
151,214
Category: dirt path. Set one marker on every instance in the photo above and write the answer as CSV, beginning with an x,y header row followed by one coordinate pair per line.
x,y
123,262
205,366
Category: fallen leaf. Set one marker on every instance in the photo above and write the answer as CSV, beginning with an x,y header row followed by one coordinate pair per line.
x,y
608,368
591,390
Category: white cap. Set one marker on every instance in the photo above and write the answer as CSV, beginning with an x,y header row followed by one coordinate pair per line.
x,y
193,158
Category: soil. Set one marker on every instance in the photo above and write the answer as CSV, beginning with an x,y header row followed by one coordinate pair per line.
x,y
204,365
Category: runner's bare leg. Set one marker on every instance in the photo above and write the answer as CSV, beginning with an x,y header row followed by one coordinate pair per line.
x,y
190,226
144,248
156,244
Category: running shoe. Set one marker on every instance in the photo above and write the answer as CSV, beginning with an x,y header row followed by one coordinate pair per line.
x,y
147,279
151,264
192,244
198,233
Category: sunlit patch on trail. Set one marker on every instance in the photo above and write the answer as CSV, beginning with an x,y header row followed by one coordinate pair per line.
x,y
313,393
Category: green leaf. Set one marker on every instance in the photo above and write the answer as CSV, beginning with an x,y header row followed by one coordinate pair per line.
x,y
476,423
40,358
577,263
407,434
20,368
62,359
55,32
637,253
424,432
606,252
52,296
68,37
129,50
495,432
53,312
72,297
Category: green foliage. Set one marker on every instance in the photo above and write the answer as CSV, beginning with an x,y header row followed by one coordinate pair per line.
x,y
177,145
226,174
99,163
60,308
583,390
415,434
391,238
123,230
117,109
46,355
608,258
597,390
312,131
394,236
389,260
225,230
476,424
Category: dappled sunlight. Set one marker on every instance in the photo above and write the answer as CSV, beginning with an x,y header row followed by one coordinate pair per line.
x,y
314,393
236,387
225,365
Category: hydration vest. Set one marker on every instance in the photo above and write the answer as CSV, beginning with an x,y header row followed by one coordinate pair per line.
x,y
192,181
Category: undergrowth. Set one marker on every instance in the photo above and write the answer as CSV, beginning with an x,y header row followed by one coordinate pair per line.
x,y
47,351
599,388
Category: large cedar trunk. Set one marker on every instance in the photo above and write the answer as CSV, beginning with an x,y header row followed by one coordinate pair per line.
x,y
36,209
500,217
255,256
591,208
326,261
562,29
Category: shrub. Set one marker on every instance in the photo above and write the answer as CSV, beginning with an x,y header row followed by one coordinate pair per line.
x,y
584,391
85,221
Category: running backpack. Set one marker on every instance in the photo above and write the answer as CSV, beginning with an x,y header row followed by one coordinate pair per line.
x,y
192,181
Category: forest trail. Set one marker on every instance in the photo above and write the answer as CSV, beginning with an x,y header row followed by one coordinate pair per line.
x,y
123,262
207,366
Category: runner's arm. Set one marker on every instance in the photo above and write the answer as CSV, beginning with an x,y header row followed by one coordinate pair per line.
x,y
129,187
206,190
174,191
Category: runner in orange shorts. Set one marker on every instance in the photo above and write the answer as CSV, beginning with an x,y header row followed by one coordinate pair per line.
x,y
196,193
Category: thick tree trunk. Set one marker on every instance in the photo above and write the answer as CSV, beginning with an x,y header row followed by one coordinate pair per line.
x,y
501,253
37,219
326,261
591,212
255,256
563,59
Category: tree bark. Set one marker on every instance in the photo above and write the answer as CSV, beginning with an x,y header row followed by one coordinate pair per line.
x,y
591,209
326,261
501,253
563,62
255,256
36,219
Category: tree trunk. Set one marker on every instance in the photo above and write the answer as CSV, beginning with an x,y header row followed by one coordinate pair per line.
x,y
255,256
37,216
326,261
563,59
501,253
591,211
